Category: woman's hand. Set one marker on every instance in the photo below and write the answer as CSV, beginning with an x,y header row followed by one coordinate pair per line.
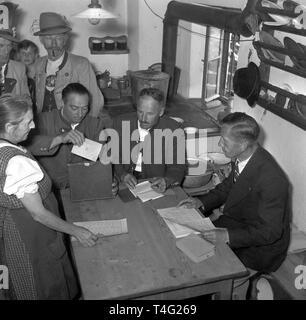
x,y
85,237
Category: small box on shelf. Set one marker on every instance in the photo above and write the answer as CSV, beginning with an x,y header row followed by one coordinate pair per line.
x,y
108,45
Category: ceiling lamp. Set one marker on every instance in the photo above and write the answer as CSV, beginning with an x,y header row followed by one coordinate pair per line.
x,y
95,13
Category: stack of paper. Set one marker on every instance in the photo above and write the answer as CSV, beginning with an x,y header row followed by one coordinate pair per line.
x,y
182,221
105,227
144,192
196,248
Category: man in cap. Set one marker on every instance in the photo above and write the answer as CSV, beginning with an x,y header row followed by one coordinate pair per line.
x,y
59,68
13,78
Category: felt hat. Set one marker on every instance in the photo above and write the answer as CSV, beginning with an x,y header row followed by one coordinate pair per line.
x,y
296,52
246,83
7,21
51,23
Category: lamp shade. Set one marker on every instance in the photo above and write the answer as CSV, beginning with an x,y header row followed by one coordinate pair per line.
x,y
95,13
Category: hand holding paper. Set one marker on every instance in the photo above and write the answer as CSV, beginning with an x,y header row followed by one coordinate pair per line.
x,y
89,150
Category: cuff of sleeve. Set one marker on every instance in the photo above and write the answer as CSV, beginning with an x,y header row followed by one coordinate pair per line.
x,y
33,188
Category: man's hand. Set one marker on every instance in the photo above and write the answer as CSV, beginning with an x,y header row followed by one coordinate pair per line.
x,y
191,203
159,184
216,235
129,180
73,136
115,187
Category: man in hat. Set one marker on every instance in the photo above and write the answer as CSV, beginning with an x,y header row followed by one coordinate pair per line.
x,y
13,78
255,219
59,68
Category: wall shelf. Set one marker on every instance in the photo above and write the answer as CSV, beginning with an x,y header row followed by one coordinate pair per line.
x,y
293,111
117,41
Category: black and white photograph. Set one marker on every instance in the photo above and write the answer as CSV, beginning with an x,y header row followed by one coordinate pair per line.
x,y
152,153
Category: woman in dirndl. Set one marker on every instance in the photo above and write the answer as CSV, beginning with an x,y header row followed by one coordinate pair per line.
x,y
31,231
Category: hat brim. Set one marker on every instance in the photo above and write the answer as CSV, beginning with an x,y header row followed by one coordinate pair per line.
x,y
51,31
9,37
255,94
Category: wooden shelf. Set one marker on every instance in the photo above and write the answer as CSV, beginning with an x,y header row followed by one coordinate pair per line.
x,y
287,29
110,51
283,113
278,49
279,12
278,65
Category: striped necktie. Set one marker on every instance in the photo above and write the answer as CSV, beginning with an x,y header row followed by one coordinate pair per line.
x,y
236,170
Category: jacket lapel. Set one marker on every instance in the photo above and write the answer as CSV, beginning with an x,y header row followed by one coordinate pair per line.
x,y
245,182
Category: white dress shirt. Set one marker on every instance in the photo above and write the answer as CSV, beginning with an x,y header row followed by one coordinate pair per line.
x,y
142,134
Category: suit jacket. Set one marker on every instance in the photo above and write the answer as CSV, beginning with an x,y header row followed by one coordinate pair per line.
x,y
256,212
55,160
75,69
166,150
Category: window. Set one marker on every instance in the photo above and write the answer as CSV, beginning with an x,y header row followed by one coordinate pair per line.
x,y
220,63
207,58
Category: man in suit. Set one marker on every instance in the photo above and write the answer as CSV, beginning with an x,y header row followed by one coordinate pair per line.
x,y
255,219
57,131
161,160
58,68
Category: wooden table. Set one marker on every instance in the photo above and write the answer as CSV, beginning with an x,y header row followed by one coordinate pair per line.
x,y
145,263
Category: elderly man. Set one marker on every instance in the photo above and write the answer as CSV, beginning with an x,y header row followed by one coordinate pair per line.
x,y
13,78
59,68
255,219
148,123
57,131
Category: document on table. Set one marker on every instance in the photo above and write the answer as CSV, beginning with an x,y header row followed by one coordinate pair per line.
x,y
105,227
196,248
89,150
144,192
182,221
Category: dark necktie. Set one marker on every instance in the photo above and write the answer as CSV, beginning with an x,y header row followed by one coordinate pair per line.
x,y
236,170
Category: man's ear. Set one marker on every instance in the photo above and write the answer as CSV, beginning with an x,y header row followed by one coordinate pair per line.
x,y
9,128
162,111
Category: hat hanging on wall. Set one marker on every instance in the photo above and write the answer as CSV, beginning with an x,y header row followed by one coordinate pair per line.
x,y
7,21
247,83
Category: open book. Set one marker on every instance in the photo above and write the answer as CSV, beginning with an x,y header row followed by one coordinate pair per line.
x,y
145,192
183,222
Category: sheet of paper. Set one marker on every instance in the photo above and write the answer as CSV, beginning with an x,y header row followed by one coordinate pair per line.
x,y
149,195
89,150
144,192
105,227
182,221
196,248
141,187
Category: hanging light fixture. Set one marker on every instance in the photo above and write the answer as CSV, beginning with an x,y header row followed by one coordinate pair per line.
x,y
95,13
